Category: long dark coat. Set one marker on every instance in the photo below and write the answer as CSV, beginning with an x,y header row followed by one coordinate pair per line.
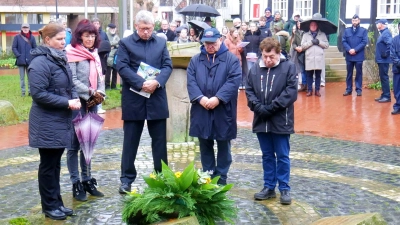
x,y
220,79
382,50
51,87
133,50
22,48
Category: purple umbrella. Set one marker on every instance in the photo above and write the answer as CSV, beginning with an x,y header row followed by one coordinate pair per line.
x,y
87,130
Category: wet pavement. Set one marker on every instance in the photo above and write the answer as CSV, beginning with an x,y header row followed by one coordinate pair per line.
x,y
345,160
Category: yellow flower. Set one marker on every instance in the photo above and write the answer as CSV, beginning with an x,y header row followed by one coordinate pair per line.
x,y
152,175
178,174
133,191
208,180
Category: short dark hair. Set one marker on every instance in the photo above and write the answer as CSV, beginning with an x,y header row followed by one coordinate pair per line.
x,y
85,26
270,43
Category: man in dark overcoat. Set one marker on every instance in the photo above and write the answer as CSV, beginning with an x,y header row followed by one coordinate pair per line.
x,y
143,46
395,56
354,40
213,80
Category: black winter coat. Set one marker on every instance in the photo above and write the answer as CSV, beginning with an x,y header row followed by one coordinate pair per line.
x,y
255,40
22,49
51,87
131,52
279,89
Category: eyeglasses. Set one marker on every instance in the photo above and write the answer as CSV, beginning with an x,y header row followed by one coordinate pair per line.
x,y
143,29
89,36
209,44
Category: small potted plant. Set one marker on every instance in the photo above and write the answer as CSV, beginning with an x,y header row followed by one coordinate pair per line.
x,y
179,194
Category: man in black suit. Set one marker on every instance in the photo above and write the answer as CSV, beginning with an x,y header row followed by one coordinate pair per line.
x,y
137,109
165,29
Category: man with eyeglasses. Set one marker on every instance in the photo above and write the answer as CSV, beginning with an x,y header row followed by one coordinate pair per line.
x,y
167,31
213,78
143,46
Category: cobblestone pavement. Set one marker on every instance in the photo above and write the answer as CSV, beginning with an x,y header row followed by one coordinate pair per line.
x,y
329,177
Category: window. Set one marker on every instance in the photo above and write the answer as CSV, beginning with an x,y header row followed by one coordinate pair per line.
x,y
389,7
35,18
14,18
304,7
223,4
281,6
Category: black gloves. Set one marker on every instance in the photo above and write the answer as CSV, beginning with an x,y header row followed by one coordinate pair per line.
x,y
315,41
264,110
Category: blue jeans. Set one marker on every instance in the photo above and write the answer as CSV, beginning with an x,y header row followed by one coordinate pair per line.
x,y
275,159
72,153
303,74
396,90
22,71
384,77
349,78
310,79
224,157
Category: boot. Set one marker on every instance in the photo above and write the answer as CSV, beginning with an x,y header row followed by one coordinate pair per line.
x,y
317,93
78,192
309,93
302,88
90,187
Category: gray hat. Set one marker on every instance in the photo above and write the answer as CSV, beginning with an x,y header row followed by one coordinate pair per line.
x,y
25,25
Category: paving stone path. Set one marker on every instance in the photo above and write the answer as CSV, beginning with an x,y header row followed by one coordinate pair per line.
x,y
328,178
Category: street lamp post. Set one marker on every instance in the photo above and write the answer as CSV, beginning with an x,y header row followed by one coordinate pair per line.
x,y
56,9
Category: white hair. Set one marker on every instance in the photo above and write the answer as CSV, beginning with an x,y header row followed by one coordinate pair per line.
x,y
145,17
237,20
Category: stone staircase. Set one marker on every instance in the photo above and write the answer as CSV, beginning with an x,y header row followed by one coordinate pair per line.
x,y
335,65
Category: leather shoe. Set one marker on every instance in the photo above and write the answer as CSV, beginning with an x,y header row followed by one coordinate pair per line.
x,y
66,211
346,93
383,100
395,112
309,93
359,93
377,99
55,214
124,188
264,194
285,197
317,94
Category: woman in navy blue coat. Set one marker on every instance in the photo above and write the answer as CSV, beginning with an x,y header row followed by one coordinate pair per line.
x,y
53,98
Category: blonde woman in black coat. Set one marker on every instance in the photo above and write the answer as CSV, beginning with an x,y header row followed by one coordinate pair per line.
x,y
53,98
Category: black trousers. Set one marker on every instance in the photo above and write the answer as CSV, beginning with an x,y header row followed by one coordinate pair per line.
x,y
132,133
113,78
49,178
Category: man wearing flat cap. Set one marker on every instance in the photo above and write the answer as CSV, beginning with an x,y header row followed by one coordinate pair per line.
x,y
21,47
278,21
213,78
382,58
354,40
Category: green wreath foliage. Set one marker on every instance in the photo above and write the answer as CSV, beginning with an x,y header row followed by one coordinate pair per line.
x,y
177,195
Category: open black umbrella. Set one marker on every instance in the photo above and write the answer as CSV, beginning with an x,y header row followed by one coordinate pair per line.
x,y
199,10
198,25
324,25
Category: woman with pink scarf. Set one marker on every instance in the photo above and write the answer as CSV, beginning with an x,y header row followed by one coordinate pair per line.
x,y
87,76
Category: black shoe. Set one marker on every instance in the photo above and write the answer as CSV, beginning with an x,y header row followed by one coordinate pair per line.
x,y
90,186
78,192
221,181
359,93
285,197
264,194
125,187
66,211
383,100
347,93
395,112
55,214
377,99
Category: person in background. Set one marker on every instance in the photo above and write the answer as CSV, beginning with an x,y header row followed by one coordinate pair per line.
x,y
103,37
354,40
183,37
68,32
53,98
213,78
178,23
382,58
296,46
243,29
232,41
111,73
193,35
268,17
143,46
395,56
208,21
292,22
237,23
265,31
282,36
253,36
23,43
224,33
168,32
313,43
87,75
278,21
272,98
172,26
